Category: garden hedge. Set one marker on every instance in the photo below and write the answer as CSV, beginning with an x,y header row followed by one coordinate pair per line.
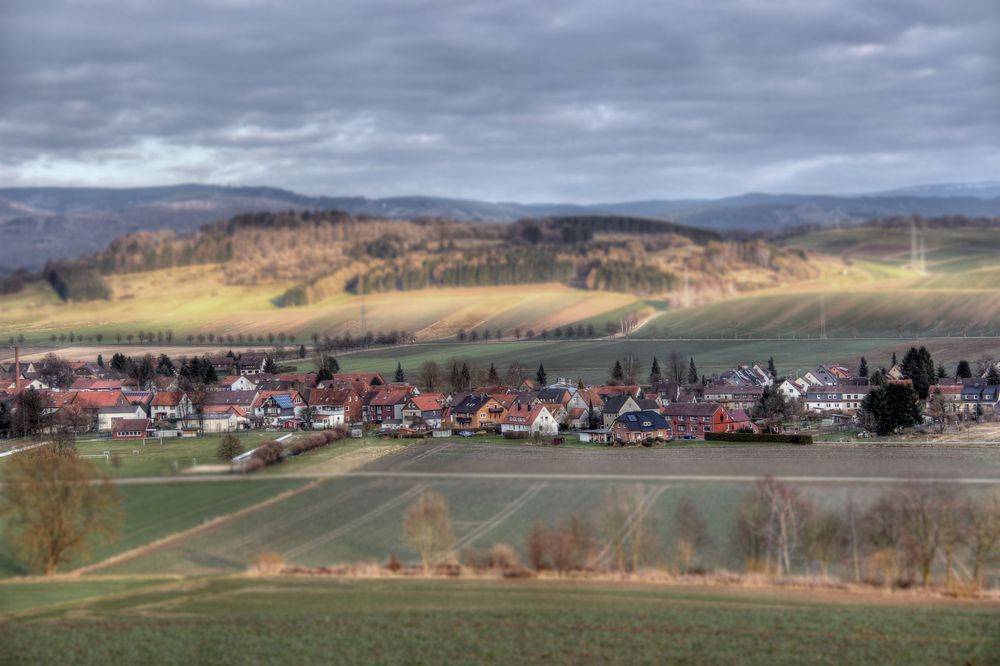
x,y
754,438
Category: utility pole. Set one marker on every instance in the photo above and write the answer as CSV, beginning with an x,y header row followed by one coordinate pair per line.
x,y
822,317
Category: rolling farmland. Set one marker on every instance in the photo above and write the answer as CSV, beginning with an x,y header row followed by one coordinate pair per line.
x,y
278,620
496,492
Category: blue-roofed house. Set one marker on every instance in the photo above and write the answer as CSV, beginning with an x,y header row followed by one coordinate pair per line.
x,y
276,407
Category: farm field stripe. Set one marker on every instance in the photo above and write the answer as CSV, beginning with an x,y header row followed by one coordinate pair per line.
x,y
501,516
204,527
568,477
360,520
294,521
626,529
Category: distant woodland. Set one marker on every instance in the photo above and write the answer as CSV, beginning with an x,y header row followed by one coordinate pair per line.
x,y
325,253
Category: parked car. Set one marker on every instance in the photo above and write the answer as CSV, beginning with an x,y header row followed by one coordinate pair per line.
x,y
465,433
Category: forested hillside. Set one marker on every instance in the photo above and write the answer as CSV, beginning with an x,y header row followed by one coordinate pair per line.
x,y
326,253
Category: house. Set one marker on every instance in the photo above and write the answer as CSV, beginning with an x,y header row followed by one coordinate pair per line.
x,y
734,396
838,398
387,405
251,363
979,398
91,402
747,375
108,416
635,427
95,384
742,422
477,411
169,405
131,429
142,398
697,418
425,410
524,420
821,376
617,405
277,407
237,383
243,399
361,382
217,418
333,407
792,389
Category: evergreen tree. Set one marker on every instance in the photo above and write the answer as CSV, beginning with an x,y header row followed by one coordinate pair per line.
x,y
324,375
617,373
862,367
493,377
918,367
210,375
692,373
894,363
165,367
963,371
941,372
270,367
542,378
332,365
302,351
771,369
992,376
655,375
119,362
400,375
466,378
889,407
100,361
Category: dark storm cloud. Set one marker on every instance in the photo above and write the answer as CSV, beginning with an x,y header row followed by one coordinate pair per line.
x,y
501,100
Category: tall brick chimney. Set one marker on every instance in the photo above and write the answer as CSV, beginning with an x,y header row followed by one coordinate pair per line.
x,y
17,369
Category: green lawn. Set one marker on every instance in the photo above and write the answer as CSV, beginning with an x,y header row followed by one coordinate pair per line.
x,y
135,458
280,621
155,510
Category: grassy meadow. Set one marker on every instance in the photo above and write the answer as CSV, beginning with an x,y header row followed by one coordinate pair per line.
x,y
286,620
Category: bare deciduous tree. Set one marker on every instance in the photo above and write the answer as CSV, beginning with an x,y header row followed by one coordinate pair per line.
x,y
690,533
57,506
427,527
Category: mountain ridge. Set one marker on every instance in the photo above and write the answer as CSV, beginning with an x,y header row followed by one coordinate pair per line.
x,y
43,223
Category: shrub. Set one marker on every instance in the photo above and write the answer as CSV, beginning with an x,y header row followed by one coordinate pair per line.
x,y
269,453
229,447
762,438
268,564
394,565
504,558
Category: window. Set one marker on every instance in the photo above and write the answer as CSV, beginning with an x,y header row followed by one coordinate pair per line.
x,y
706,428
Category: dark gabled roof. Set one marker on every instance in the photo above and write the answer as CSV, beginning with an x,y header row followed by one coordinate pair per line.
x,y
691,408
615,403
471,403
644,421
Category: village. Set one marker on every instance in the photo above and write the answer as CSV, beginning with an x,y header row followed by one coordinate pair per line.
x,y
250,391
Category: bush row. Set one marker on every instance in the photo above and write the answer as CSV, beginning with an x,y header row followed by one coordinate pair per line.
x,y
317,440
761,438
273,452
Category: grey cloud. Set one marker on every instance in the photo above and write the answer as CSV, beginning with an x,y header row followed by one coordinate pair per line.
x,y
514,100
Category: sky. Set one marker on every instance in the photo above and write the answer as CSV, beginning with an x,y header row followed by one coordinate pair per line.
x,y
502,100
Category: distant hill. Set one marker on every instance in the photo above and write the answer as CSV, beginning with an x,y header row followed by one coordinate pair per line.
x,y
38,224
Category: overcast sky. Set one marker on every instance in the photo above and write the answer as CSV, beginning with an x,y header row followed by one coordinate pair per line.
x,y
534,100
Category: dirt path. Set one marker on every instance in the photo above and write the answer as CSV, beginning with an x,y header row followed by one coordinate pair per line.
x,y
353,459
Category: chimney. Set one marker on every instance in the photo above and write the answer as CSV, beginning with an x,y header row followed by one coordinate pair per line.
x,y
17,369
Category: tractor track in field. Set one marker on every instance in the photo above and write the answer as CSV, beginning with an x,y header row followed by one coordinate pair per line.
x,y
502,515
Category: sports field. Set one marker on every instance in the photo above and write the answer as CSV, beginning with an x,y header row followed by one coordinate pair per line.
x,y
285,620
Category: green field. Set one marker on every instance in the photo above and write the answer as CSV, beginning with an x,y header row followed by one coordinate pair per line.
x,y
278,621
155,510
592,360
360,520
